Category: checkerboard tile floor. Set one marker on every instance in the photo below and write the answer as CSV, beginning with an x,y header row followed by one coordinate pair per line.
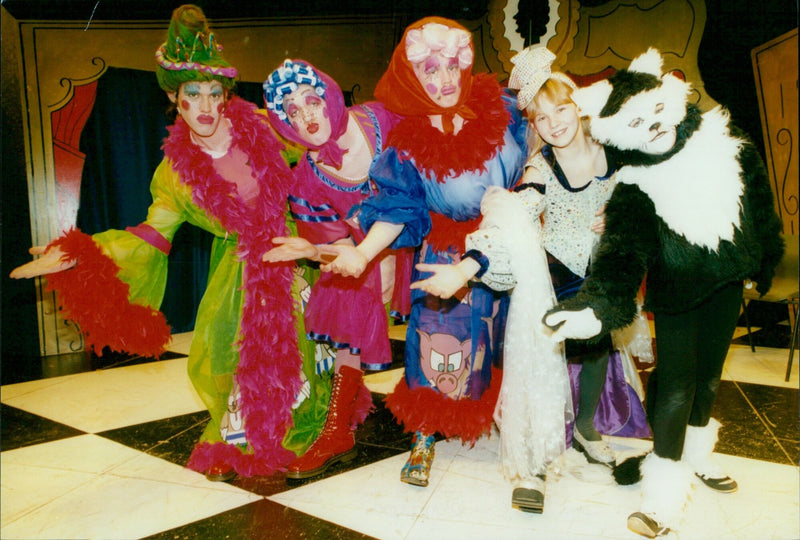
x,y
100,453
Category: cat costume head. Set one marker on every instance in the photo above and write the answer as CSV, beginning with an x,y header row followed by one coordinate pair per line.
x,y
640,111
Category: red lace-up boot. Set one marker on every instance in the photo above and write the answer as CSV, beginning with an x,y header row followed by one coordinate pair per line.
x,y
336,442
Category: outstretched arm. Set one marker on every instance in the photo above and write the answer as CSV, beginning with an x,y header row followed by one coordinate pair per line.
x,y
291,248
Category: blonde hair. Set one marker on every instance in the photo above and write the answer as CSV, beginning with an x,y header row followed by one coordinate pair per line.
x,y
555,91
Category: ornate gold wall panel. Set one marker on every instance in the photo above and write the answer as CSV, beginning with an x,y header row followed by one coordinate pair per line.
x,y
588,41
775,67
613,34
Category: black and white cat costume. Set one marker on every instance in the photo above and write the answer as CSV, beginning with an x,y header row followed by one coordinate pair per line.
x,y
693,212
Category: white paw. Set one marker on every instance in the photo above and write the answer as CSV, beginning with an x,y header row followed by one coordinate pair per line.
x,y
573,324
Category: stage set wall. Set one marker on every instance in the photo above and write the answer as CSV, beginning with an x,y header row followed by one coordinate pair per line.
x,y
50,69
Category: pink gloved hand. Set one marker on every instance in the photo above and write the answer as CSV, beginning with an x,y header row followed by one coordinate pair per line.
x,y
290,248
345,260
446,281
50,262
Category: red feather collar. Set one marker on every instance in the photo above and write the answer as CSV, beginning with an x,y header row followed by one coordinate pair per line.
x,y
440,154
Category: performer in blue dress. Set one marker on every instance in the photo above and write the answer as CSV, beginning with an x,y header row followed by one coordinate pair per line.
x,y
460,134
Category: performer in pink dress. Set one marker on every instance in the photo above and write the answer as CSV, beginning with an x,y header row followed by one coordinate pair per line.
x,y
307,107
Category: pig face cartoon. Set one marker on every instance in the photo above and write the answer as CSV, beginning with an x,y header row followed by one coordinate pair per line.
x,y
445,361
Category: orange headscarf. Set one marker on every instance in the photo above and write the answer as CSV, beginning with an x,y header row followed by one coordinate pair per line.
x,y
402,93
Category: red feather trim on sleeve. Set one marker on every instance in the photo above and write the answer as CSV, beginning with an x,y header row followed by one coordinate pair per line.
x,y
91,294
429,411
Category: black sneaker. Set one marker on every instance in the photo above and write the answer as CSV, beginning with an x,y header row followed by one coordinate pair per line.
x,y
725,484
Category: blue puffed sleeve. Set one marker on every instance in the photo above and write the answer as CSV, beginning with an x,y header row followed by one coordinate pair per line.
x,y
518,125
400,199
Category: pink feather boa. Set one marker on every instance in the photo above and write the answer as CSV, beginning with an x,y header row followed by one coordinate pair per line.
x,y
269,363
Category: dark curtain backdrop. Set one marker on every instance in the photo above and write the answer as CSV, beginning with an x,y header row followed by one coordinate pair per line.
x,y
122,142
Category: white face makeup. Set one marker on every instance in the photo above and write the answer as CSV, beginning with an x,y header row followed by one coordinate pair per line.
x,y
556,124
200,104
308,115
440,77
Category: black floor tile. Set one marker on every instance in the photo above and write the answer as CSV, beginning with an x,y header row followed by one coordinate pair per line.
x,y
743,432
171,439
779,408
398,348
776,336
18,369
20,428
381,429
772,321
260,520
378,438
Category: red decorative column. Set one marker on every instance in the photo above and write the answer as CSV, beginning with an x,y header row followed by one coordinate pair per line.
x,y
68,123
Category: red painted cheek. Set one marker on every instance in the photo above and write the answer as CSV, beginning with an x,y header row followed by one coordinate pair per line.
x,y
185,105
296,126
325,112
220,108
431,88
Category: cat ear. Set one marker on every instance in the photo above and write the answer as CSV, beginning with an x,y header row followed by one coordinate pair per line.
x,y
676,90
591,99
649,62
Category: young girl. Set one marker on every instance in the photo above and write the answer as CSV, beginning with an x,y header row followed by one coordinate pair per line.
x,y
573,173
568,180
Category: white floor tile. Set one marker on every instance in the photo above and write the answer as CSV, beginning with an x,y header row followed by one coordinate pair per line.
x,y
180,343
383,382
90,487
108,399
766,366
469,498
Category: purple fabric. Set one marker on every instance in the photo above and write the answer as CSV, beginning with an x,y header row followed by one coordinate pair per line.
x,y
619,413
330,152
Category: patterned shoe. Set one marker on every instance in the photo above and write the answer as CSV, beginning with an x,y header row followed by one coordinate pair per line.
x,y
418,467
595,451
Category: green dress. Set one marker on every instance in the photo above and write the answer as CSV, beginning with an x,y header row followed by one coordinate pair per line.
x,y
249,324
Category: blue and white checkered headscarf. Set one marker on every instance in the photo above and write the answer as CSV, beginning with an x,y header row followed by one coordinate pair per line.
x,y
285,80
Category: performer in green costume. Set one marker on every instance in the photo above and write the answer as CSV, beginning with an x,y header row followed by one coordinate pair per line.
x,y
223,171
